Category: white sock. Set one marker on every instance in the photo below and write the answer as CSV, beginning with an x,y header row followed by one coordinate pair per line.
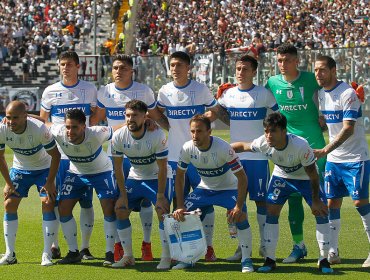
x,y
208,223
110,231
261,219
146,217
49,229
365,217
124,230
323,236
164,242
10,231
245,239
271,235
334,224
86,226
55,237
69,228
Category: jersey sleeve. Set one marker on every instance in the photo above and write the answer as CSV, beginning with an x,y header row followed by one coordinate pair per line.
x,y
271,101
150,100
160,98
209,99
2,136
46,101
103,133
307,156
161,149
222,100
100,97
94,96
351,105
47,139
233,160
184,158
259,144
117,147
57,130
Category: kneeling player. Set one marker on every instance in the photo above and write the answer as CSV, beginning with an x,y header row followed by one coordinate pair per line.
x,y
223,183
295,171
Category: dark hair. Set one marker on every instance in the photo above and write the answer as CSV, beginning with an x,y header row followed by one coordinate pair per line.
x,y
287,49
181,55
123,58
137,105
202,119
76,114
330,62
275,119
248,58
70,55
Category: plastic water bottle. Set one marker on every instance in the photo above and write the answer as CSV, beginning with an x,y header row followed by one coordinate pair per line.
x,y
232,230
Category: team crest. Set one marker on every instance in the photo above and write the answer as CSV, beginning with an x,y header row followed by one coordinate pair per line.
x,y
214,157
30,139
137,146
149,144
289,94
301,90
205,159
280,158
77,149
180,96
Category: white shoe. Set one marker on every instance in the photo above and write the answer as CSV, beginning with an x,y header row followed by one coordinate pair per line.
x,y
124,262
366,262
247,266
8,259
46,260
237,255
164,264
182,265
333,258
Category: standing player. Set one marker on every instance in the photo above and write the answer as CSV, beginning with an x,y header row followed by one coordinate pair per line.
x,y
112,99
148,177
57,99
36,161
347,169
90,168
294,171
223,183
296,94
247,105
182,99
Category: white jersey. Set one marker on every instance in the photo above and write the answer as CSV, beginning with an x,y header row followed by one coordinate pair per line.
x,y
29,148
181,104
247,109
215,165
87,157
114,99
142,152
290,161
338,105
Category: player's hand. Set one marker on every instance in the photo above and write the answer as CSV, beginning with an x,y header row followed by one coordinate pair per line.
x,y
8,191
50,190
151,125
162,204
234,215
319,208
319,153
178,215
122,203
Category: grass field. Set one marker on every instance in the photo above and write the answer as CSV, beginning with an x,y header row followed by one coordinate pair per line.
x,y
353,245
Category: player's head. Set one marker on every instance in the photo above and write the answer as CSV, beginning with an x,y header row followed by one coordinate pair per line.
x,y
69,64
287,59
122,70
275,129
135,115
75,122
245,69
16,116
200,129
326,71
179,66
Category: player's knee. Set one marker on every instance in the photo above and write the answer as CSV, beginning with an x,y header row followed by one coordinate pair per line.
x,y
122,214
361,202
47,206
10,206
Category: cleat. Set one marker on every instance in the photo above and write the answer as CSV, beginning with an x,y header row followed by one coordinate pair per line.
x,y
86,255
109,259
296,254
46,260
118,251
124,262
182,265
210,255
72,257
334,258
146,251
237,255
324,266
8,259
262,251
164,264
366,262
247,266
268,266
55,253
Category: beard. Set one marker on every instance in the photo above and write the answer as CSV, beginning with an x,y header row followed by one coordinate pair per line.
x,y
133,127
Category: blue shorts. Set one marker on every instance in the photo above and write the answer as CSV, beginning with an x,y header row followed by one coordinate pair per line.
x,y
192,178
202,198
137,190
281,188
258,174
62,173
23,180
81,186
349,178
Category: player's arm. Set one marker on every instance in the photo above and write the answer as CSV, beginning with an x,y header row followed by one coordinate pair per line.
x,y
9,188
97,116
122,202
49,186
346,132
45,117
240,147
179,189
162,203
221,113
235,214
157,115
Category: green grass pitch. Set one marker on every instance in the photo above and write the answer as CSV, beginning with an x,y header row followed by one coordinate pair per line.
x,y
354,248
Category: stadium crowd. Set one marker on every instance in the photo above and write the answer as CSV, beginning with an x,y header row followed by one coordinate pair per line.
x,y
210,26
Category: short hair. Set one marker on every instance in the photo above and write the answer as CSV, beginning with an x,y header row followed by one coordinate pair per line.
x,y
330,62
202,119
137,105
123,58
248,58
75,114
181,55
287,49
275,119
70,55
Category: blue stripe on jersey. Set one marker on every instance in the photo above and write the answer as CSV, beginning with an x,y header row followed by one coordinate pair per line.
x,y
184,112
247,113
60,110
115,113
111,132
213,172
50,145
142,160
182,164
86,159
290,169
159,104
213,103
350,114
162,154
100,105
2,146
333,116
28,152
186,236
152,106
275,108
